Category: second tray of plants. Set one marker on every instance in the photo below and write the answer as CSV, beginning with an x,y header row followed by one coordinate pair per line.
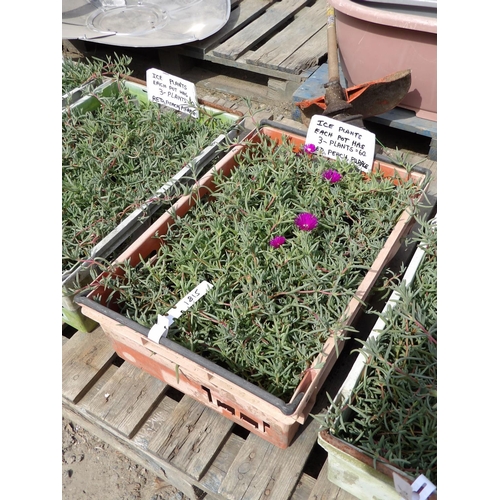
x,y
124,159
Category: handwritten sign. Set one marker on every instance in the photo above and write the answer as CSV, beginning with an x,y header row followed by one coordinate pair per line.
x,y
335,139
172,91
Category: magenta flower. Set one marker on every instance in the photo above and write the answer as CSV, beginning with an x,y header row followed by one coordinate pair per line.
x,y
332,176
306,221
277,242
309,148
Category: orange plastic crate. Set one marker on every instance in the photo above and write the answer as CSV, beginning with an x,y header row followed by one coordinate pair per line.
x,y
253,408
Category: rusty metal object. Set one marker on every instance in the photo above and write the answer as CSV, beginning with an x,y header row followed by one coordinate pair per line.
x,y
379,96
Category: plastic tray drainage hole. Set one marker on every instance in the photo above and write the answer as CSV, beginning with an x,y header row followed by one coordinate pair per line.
x,y
209,394
249,420
230,409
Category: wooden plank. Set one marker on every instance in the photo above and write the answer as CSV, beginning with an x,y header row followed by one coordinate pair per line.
x,y
269,22
303,488
160,415
242,479
308,55
281,90
127,399
240,16
324,489
85,356
406,120
262,470
214,476
305,25
97,386
241,63
191,438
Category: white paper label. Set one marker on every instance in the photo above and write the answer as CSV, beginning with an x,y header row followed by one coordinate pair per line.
x,y
172,91
423,487
420,489
163,322
336,139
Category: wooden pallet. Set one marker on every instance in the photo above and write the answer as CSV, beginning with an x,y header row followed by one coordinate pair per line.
x,y
185,443
285,40
189,445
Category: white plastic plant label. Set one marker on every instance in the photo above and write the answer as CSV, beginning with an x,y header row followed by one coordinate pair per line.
x,y
172,91
163,322
335,139
420,489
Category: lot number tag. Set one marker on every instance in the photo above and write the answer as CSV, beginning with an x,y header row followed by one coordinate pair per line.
x,y
336,139
160,329
420,489
172,91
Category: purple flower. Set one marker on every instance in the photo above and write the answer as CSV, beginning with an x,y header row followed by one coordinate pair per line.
x,y
309,148
306,221
277,242
332,176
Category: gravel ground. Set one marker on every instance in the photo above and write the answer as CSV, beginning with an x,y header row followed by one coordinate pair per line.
x,y
93,470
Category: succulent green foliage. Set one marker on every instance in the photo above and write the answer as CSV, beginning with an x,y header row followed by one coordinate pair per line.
x,y
79,72
393,409
115,158
271,309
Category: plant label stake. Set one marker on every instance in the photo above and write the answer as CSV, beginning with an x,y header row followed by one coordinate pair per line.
x,y
420,489
172,91
163,322
336,139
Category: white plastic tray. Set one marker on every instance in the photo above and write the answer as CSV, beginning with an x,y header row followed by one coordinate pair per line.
x,y
358,368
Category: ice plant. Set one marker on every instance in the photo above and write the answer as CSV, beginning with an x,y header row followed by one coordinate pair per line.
x,y
309,148
394,403
270,312
115,157
77,72
306,221
332,176
277,241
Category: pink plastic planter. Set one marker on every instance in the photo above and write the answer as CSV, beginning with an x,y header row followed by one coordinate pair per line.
x,y
374,42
